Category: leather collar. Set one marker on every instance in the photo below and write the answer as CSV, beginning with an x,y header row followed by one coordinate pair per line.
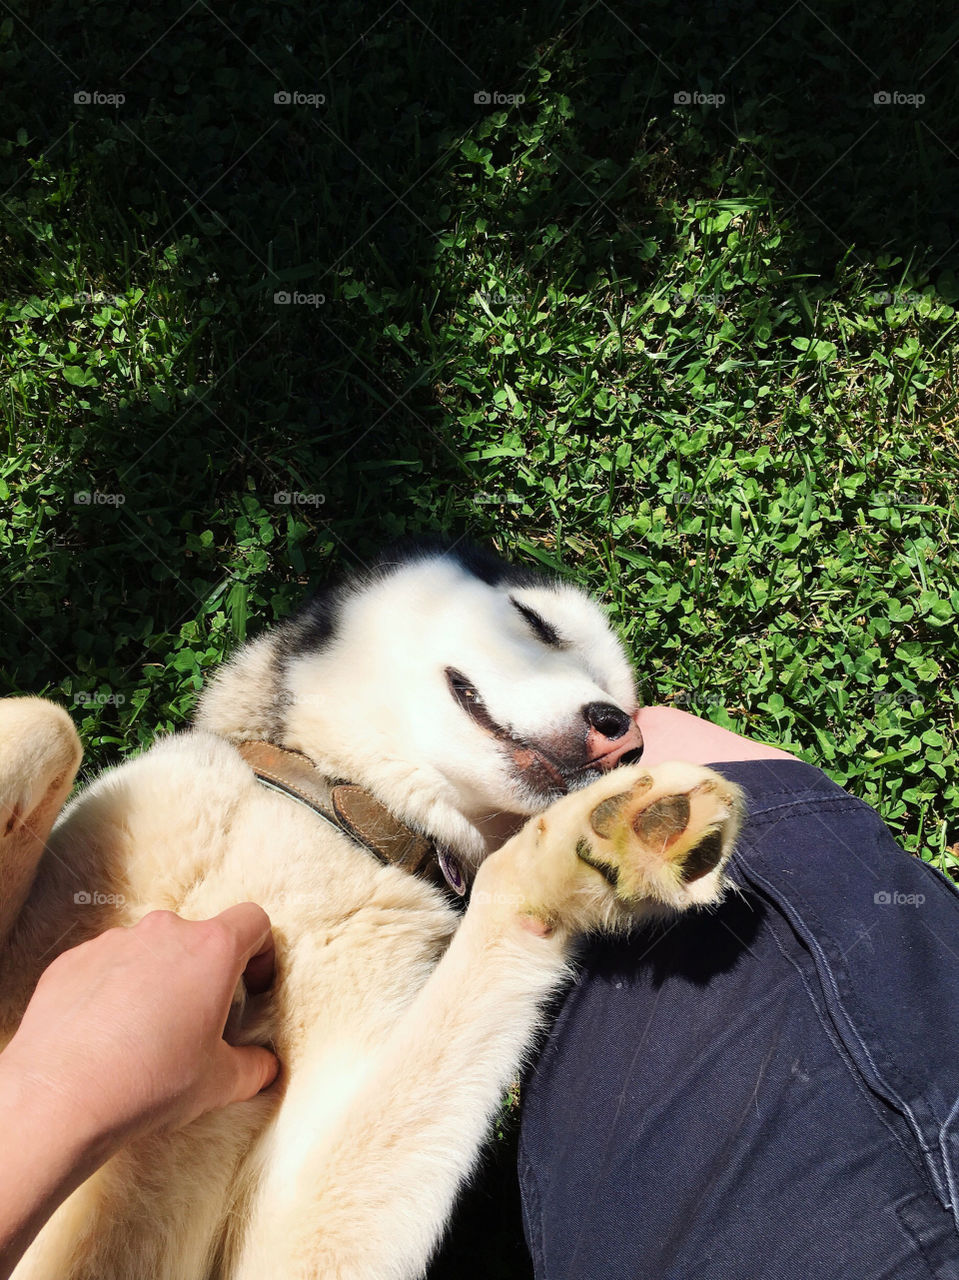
x,y
354,811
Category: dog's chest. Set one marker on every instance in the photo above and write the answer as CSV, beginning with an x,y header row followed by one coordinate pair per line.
x,y
186,827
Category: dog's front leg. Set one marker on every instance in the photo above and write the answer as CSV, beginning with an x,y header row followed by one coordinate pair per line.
x,y
39,756
370,1199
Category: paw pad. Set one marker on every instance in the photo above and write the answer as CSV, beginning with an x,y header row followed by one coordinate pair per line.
x,y
663,822
669,830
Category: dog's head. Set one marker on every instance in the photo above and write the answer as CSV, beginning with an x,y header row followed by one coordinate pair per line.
x,y
453,685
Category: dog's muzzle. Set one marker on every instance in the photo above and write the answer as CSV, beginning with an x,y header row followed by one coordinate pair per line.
x,y
613,737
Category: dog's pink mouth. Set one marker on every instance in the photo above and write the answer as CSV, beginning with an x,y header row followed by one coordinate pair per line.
x,y
541,770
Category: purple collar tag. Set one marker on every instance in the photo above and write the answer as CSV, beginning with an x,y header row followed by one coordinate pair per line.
x,y
452,871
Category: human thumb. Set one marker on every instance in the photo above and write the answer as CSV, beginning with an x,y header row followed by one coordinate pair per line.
x,y
253,1070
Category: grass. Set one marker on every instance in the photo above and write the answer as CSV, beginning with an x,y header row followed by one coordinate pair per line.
x,y
699,354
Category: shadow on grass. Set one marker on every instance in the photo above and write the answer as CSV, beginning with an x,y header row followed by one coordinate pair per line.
x,y
310,269
388,201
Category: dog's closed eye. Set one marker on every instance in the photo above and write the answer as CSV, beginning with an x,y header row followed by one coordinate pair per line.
x,y
463,690
542,629
467,695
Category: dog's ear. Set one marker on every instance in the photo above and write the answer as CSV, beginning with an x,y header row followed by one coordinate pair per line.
x,y
40,753
480,561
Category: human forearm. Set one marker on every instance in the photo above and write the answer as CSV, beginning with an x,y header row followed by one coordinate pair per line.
x,y
46,1155
671,734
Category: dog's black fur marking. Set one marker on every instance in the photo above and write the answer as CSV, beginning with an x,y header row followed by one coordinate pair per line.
x,y
309,630
476,560
315,623
609,873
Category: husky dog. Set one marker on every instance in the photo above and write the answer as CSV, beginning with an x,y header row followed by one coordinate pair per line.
x,y
440,719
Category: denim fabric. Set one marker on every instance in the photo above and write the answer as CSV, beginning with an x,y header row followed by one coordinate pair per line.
x,y
769,1091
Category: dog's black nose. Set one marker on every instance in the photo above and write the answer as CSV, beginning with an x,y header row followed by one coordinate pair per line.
x,y
607,719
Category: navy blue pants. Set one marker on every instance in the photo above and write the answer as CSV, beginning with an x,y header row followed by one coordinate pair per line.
x,y
769,1091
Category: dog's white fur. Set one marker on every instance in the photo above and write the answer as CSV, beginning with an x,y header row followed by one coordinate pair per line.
x,y
399,1022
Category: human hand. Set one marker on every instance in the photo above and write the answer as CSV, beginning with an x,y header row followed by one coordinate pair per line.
x,y
124,1033
671,734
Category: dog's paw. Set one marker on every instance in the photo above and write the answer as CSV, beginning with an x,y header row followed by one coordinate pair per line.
x,y
665,836
638,842
39,756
